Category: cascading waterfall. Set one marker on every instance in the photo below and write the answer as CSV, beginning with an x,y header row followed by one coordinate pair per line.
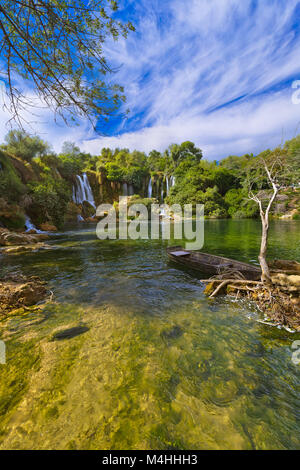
x,y
172,181
150,188
167,185
82,190
30,226
125,189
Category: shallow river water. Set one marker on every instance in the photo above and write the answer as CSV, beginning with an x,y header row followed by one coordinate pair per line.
x,y
158,365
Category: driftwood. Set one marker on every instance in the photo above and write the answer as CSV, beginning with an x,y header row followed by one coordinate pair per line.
x,y
236,281
280,301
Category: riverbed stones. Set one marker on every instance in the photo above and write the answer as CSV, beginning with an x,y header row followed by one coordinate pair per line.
x,y
18,291
8,238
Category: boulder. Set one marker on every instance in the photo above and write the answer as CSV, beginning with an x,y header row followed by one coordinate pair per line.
x,y
17,291
46,227
8,238
288,283
87,210
288,266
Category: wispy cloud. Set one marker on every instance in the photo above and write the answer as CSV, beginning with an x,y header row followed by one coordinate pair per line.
x,y
217,72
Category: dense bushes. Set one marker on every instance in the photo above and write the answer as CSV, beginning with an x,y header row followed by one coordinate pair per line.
x,y
49,200
10,182
46,179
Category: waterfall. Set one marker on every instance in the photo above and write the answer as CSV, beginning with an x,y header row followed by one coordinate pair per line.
x,y
162,194
150,188
167,184
125,189
30,226
82,190
172,180
130,190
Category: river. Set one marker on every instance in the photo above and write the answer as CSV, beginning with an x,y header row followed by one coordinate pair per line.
x,y
160,366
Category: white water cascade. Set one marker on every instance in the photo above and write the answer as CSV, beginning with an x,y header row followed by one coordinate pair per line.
x,y
30,226
172,181
125,189
82,190
130,190
150,188
167,185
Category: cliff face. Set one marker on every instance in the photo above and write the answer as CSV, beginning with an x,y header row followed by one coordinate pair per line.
x,y
287,204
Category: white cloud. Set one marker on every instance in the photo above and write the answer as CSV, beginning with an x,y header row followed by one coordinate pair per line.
x,y
247,127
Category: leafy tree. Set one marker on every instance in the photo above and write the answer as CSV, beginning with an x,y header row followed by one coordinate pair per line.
x,y
11,185
224,179
72,161
187,150
24,146
114,172
58,47
49,200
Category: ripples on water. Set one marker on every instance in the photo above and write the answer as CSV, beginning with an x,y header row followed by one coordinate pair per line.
x,y
161,366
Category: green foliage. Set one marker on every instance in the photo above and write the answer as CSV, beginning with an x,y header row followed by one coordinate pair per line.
x,y
71,161
25,146
14,220
135,176
114,172
49,200
239,206
56,45
10,183
221,188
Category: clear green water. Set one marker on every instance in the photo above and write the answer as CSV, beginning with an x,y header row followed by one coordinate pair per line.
x,y
161,367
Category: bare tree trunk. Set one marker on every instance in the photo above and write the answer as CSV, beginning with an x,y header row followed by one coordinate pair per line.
x,y
265,276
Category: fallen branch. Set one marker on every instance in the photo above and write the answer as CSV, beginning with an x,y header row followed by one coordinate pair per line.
x,y
223,284
235,281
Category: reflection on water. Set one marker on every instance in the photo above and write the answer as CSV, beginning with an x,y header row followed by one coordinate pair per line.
x,y
158,365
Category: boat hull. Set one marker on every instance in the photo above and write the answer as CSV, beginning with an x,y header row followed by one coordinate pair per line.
x,y
211,264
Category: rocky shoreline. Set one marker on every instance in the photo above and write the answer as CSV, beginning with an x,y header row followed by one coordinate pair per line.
x,y
16,242
18,291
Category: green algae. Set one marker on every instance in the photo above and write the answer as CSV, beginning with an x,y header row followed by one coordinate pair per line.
x,y
159,367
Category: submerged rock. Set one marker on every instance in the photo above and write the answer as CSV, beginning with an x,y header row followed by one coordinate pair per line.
x,y
18,291
48,227
8,238
17,249
70,333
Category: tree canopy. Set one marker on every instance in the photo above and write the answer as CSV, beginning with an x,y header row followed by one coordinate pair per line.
x,y
57,45
25,146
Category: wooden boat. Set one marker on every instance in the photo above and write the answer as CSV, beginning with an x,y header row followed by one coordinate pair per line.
x,y
211,264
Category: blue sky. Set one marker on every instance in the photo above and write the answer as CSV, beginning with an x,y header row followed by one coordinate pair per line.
x,y
217,72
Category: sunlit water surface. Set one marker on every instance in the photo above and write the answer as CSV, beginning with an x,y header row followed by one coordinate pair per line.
x,y
161,366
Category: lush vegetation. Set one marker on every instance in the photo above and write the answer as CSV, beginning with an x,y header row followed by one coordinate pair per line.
x,y
39,182
57,46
